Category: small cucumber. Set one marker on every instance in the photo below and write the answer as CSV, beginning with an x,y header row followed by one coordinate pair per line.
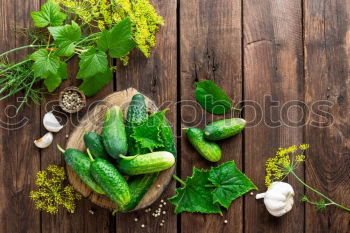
x,y
113,133
224,129
168,138
146,163
111,181
139,185
80,163
209,150
137,114
94,142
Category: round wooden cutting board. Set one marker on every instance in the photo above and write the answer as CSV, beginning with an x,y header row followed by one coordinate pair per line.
x,y
93,121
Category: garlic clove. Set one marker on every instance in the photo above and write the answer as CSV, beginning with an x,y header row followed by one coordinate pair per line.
x,y
51,123
44,141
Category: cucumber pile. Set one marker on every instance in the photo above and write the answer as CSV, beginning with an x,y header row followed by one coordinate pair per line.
x,y
116,153
203,140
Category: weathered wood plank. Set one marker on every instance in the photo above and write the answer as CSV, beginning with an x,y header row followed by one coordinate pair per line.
x,y
327,65
273,70
155,77
210,48
19,160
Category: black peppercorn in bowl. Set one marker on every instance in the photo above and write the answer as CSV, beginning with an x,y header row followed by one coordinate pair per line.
x,y
71,100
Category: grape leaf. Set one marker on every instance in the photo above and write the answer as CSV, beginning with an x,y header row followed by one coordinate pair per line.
x,y
212,98
230,183
148,134
93,84
117,40
49,14
92,62
52,81
195,195
44,63
65,38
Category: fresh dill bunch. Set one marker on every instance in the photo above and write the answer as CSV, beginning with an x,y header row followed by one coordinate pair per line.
x,y
284,163
104,14
51,193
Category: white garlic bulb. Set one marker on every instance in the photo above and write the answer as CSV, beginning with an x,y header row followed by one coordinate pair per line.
x,y
278,199
51,123
44,141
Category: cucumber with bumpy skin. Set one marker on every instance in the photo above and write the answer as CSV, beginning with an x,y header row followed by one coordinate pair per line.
x,y
222,129
80,163
146,163
114,134
209,150
94,142
139,185
111,181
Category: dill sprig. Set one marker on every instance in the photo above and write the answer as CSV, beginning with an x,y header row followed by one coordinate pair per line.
x,y
284,163
51,194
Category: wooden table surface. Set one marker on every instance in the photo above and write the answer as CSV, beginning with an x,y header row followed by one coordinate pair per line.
x,y
286,62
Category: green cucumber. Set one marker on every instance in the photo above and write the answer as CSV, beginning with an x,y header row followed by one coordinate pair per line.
x,y
111,181
94,142
146,163
209,150
136,115
168,138
139,185
80,163
224,129
113,133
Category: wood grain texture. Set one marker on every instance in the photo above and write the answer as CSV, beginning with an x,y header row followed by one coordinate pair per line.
x,y
210,49
327,63
273,71
155,77
19,160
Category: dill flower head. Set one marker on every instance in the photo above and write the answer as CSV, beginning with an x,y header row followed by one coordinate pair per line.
x,y
51,192
285,161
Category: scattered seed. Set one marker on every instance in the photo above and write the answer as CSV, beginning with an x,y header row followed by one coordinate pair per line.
x,y
160,205
158,185
161,224
91,212
142,225
163,220
164,212
251,193
67,135
225,221
136,219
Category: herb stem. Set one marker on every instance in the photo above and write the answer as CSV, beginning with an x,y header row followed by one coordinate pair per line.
x,y
19,48
13,66
179,180
319,193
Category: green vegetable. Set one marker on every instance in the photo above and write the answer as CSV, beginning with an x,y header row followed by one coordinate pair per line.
x,y
113,133
94,143
139,185
222,129
212,98
195,195
230,183
80,163
111,181
137,114
147,163
209,150
206,190
166,134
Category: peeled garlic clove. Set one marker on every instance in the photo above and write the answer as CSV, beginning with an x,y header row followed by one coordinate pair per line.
x,y
44,141
51,123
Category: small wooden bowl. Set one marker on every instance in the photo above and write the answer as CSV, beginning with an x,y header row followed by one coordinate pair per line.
x,y
93,121
74,89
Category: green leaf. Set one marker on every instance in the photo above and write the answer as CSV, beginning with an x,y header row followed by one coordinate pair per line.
x,y
92,62
45,63
230,183
118,40
93,84
52,81
196,195
212,98
65,38
49,14
148,134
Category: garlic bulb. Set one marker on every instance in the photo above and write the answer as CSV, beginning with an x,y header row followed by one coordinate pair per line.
x,y
278,199
51,123
44,141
